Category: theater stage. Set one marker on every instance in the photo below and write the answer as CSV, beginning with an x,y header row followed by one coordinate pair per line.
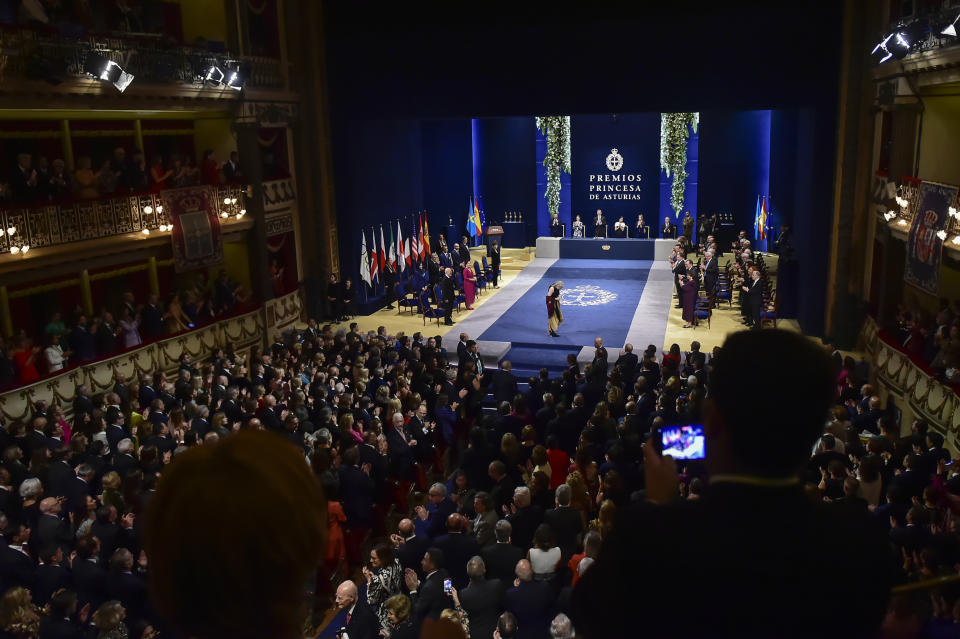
x,y
620,300
592,248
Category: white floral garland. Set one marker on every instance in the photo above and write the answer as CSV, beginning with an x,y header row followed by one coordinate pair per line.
x,y
556,128
673,152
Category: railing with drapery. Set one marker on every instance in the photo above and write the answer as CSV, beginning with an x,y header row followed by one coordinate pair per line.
x,y
243,331
912,386
51,224
29,53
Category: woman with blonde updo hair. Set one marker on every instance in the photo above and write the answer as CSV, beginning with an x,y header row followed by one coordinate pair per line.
x,y
19,616
108,619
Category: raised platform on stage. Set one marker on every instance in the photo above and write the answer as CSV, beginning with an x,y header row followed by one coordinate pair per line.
x,y
590,248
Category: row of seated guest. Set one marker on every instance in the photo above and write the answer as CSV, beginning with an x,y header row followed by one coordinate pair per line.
x,y
933,338
87,339
35,179
558,504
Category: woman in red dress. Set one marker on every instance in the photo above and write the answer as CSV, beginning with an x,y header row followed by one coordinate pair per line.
x,y
159,175
25,361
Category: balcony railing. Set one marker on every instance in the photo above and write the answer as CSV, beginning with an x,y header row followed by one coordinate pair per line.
x,y
41,225
26,53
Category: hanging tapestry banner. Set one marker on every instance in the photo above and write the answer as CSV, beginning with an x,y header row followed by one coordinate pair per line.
x,y
196,237
924,245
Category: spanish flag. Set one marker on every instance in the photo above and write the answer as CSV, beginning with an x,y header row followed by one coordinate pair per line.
x,y
477,222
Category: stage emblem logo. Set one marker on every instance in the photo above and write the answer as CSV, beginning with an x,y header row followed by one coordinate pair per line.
x,y
586,295
614,160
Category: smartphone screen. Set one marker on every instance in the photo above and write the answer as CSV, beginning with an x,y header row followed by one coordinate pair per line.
x,y
447,586
683,442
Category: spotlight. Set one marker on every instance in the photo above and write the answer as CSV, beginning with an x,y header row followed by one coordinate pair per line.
x,y
102,68
899,47
942,235
238,77
951,29
14,249
214,76
148,209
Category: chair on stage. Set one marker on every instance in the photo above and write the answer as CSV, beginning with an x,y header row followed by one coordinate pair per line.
x,y
703,311
724,290
459,296
488,272
406,297
481,277
428,311
771,307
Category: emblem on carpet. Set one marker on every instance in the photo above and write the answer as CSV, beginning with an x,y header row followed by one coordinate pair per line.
x,y
586,295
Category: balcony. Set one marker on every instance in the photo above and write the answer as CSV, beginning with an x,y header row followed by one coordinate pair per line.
x,y
38,227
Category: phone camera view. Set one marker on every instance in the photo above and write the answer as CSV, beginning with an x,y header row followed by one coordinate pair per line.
x,y
683,442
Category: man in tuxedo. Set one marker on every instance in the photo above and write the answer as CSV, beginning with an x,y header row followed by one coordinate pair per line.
x,y
429,596
481,599
502,491
52,530
409,545
231,169
495,263
361,622
24,179
556,227
503,383
627,363
126,584
51,575
334,297
599,225
89,577
679,268
485,521
462,353
524,518
668,230
458,547
432,520
531,602
711,271
754,507
566,522
753,299
501,558
464,256
449,294
16,566
59,623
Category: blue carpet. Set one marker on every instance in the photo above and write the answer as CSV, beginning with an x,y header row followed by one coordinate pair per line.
x,y
330,630
611,291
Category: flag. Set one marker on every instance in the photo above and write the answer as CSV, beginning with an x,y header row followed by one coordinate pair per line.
x,y
483,217
471,223
756,222
375,262
407,252
477,221
401,258
392,256
763,219
383,252
421,242
365,274
414,241
426,233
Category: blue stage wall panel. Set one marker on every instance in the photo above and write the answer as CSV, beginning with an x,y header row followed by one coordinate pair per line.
x,y
447,173
506,166
636,136
690,200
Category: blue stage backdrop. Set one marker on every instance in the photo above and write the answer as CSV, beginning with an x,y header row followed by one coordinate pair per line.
x,y
542,219
447,173
505,149
623,183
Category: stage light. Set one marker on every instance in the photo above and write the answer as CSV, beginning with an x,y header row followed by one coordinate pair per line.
x,y
145,231
942,235
105,69
899,47
148,209
951,29
214,76
14,249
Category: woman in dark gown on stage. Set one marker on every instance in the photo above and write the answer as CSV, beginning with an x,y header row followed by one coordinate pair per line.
x,y
620,228
689,284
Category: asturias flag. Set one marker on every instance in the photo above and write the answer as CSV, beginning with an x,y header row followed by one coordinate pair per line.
x,y
471,221
756,222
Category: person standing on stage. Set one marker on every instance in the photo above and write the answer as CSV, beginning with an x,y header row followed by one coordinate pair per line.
x,y
469,285
449,295
495,263
641,227
688,285
556,228
687,223
600,225
711,272
577,227
679,267
668,230
554,314
389,281
753,299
